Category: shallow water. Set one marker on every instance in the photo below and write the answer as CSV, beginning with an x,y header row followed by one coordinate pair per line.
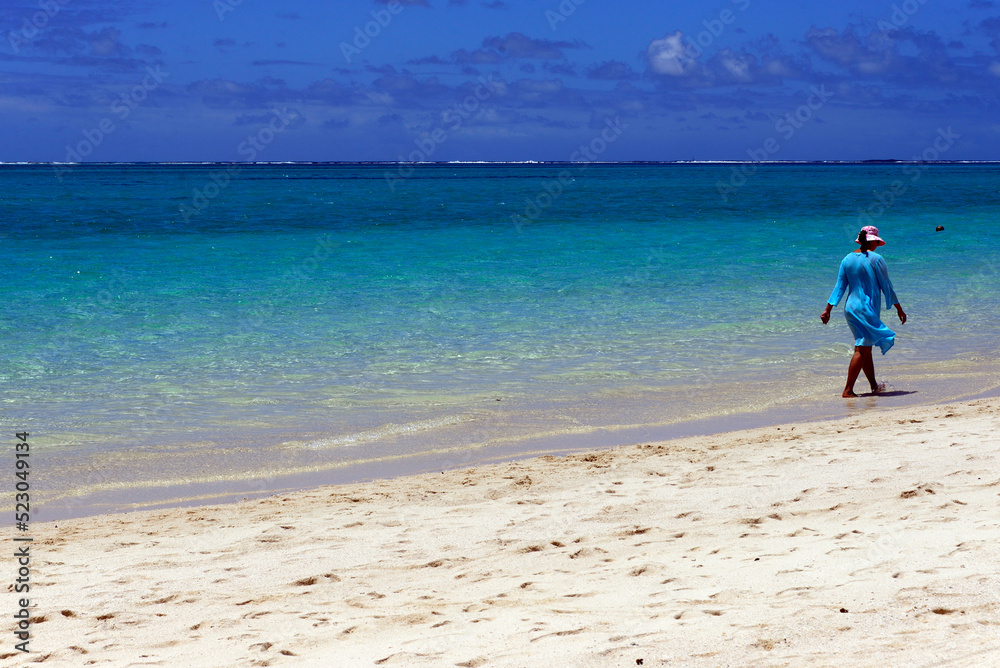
x,y
309,324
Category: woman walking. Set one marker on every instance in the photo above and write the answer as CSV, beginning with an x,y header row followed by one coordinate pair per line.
x,y
865,278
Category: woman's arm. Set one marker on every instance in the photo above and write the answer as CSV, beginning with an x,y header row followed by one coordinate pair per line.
x,y
838,292
884,284
841,286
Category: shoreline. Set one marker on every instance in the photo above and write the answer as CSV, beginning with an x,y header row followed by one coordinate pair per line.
x,y
462,447
458,453
822,541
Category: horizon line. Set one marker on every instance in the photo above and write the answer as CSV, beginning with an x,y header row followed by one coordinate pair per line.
x,y
503,162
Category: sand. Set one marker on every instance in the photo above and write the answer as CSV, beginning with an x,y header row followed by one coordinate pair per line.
x,y
867,541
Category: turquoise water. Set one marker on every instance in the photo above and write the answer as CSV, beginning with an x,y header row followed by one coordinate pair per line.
x,y
176,331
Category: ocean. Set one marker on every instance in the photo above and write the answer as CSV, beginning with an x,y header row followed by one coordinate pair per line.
x,y
186,333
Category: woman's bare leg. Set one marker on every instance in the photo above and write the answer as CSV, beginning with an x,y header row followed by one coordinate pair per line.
x,y
854,369
868,366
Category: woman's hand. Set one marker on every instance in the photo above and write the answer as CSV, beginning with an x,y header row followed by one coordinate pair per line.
x,y
902,316
825,315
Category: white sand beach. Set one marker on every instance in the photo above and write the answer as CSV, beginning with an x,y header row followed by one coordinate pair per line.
x,y
868,541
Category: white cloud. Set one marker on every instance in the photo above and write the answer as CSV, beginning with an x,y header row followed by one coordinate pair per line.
x,y
736,65
669,55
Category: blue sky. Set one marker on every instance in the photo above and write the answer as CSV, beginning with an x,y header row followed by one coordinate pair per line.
x,y
151,80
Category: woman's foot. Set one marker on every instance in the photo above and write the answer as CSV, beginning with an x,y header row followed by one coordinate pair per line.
x,y
879,389
848,394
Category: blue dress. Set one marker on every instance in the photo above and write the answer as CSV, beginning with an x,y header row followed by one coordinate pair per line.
x,y
865,278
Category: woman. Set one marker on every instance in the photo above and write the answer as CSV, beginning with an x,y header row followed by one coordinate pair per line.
x,y
865,278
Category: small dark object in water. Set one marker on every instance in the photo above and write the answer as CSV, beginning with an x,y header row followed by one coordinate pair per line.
x,y
939,228
843,609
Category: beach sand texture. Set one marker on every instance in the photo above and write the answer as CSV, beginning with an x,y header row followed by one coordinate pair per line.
x,y
868,541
